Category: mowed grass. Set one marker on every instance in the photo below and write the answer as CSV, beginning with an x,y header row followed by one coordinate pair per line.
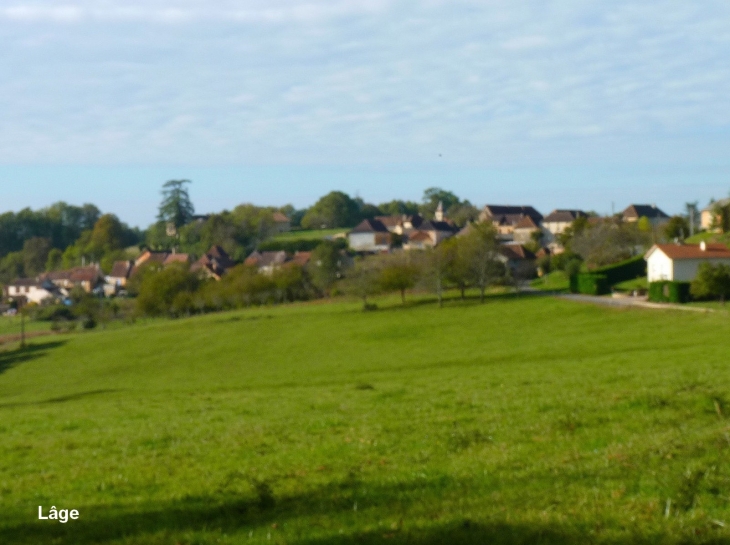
x,y
523,420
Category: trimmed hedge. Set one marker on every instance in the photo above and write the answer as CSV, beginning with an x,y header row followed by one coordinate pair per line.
x,y
589,284
292,246
629,269
669,292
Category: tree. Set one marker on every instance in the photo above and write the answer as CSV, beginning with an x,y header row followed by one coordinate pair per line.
x,y
438,262
609,242
324,266
106,236
479,251
431,198
398,207
363,280
711,281
176,207
722,218
463,213
35,255
399,273
677,227
336,209
168,291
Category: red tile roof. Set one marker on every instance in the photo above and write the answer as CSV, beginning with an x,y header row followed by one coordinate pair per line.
x,y
692,251
527,223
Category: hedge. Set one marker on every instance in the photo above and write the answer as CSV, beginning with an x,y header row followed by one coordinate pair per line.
x,y
629,269
589,284
292,246
669,292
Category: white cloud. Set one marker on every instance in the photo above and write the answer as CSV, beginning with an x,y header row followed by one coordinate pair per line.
x,y
362,81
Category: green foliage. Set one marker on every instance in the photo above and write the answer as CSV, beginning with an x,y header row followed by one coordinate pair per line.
x,y
609,242
336,209
167,292
398,207
363,280
477,257
669,292
325,266
176,207
431,198
711,282
677,227
398,273
298,245
629,269
590,284
323,424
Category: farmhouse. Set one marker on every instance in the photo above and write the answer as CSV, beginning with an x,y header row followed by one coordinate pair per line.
x,y
282,224
214,263
679,262
266,262
369,236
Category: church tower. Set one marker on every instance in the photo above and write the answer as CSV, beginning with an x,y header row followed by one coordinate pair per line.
x,y
439,215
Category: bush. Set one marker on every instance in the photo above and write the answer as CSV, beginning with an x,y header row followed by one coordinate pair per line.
x,y
669,292
589,284
629,269
54,313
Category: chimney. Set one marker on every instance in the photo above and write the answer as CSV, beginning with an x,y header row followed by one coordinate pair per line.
x,y
703,246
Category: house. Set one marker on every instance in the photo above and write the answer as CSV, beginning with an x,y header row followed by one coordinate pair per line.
x,y
437,230
418,240
161,258
282,224
369,236
88,278
680,262
709,215
518,260
505,218
525,230
301,258
635,212
557,221
30,290
214,263
117,278
401,224
266,262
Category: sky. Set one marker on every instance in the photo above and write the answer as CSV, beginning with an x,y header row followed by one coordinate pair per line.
x,y
565,104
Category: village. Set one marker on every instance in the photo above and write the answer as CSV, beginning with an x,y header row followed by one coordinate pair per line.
x,y
528,246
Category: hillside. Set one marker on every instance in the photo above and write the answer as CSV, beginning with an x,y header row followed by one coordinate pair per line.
x,y
526,420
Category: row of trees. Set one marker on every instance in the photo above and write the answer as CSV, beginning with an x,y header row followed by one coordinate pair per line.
x,y
471,260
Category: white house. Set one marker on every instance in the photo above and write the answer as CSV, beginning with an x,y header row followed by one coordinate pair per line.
x,y
30,290
679,262
369,236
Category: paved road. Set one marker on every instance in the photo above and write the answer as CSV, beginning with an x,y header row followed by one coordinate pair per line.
x,y
627,302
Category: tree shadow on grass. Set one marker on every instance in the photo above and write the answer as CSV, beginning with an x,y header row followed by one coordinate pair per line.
x,y
11,358
262,513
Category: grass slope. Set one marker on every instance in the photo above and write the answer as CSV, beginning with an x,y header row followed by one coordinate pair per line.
x,y
314,234
528,420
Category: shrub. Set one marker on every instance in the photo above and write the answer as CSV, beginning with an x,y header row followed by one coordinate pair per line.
x,y
589,284
669,292
624,270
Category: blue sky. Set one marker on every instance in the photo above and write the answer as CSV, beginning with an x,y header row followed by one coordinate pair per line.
x,y
556,104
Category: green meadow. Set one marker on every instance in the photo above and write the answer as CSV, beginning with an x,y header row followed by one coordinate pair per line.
x,y
313,234
520,421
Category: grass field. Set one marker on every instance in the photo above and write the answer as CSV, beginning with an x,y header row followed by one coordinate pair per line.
x,y
523,420
314,234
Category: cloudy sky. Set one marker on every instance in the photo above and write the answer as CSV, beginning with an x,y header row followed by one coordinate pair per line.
x,y
556,104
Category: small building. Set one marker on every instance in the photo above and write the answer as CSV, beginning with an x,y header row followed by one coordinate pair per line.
x,y
438,230
401,224
30,290
282,224
117,278
369,236
88,278
635,212
680,262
